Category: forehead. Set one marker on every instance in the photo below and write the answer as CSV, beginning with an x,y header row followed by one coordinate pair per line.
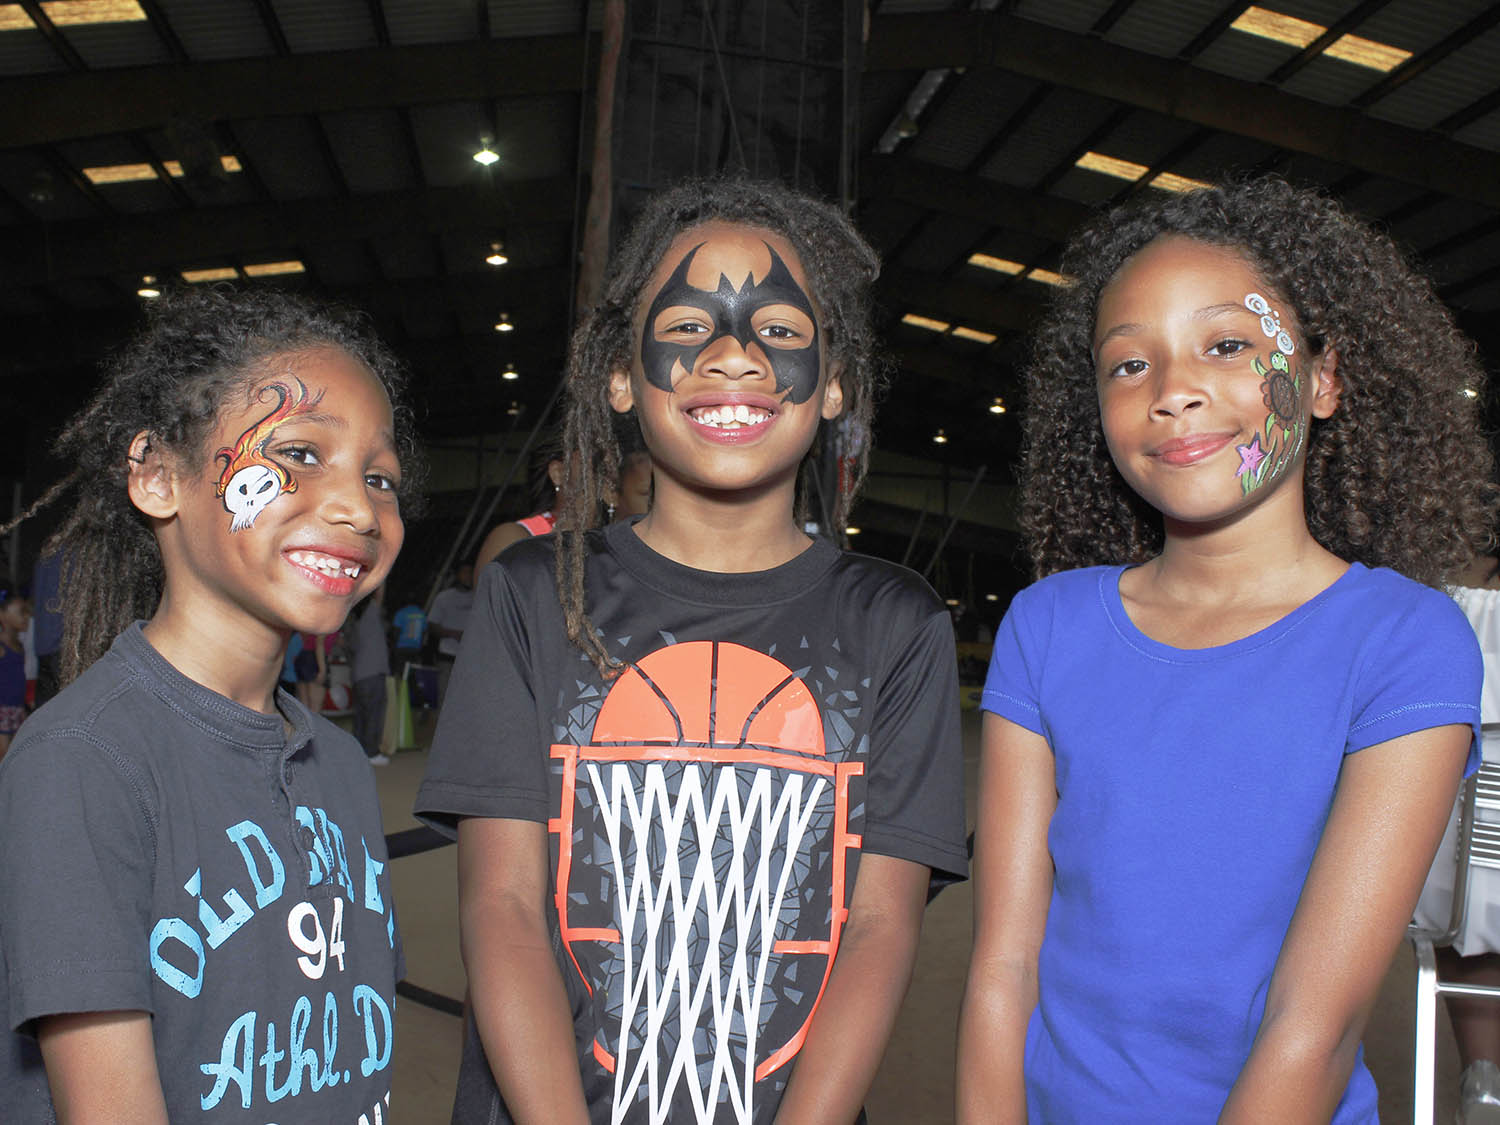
x,y
345,383
729,249
1173,268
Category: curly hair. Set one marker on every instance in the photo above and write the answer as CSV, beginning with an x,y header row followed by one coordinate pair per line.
x,y
199,348
840,268
1399,476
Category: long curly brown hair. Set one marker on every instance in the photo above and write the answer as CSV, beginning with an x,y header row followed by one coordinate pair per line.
x,y
1399,476
840,267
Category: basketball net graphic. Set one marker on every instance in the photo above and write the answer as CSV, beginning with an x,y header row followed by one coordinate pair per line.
x,y
704,798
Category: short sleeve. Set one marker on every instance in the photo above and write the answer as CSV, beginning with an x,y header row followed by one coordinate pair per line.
x,y
915,789
78,852
485,759
1425,672
1012,687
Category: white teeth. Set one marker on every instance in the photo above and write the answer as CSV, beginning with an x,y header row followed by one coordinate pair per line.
x,y
730,416
325,564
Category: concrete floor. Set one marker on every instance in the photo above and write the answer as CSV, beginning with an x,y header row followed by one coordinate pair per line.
x,y
914,1086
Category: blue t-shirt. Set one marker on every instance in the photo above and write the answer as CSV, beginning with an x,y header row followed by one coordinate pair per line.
x,y
1193,786
410,624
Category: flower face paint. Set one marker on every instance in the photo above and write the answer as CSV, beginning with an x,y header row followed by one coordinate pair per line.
x,y
250,479
1285,431
733,313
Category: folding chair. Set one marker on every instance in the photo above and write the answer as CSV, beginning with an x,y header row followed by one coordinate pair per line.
x,y
1478,845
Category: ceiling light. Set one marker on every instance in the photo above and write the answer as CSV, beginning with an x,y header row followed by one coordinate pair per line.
x,y
514,409
504,324
486,155
998,406
1470,392
1282,28
497,255
216,273
1046,277
974,334
148,287
999,265
510,373
992,597
275,269
926,322
940,438
952,603
851,531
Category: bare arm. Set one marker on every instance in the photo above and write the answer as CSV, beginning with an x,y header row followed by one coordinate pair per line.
x,y
496,541
101,1067
1388,815
848,1036
1012,889
520,1006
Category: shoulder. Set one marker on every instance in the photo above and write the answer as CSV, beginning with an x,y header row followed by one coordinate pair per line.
x,y
895,587
1382,599
1066,591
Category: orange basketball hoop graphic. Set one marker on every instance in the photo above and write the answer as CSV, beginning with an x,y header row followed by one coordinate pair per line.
x,y
703,843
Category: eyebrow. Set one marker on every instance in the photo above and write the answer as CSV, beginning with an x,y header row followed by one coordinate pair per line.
x,y
1208,312
319,418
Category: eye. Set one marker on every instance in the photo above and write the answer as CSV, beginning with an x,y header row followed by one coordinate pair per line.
x,y
299,455
1127,369
780,332
1228,347
381,482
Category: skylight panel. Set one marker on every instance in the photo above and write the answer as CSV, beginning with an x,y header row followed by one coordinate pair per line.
x,y
999,265
216,273
1296,32
927,322
134,173
965,333
274,269
1130,170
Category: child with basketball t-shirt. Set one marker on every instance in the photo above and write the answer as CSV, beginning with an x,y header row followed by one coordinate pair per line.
x,y
699,792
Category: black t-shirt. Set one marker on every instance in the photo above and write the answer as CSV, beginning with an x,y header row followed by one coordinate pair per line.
x,y
707,809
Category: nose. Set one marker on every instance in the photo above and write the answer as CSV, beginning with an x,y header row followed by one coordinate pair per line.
x,y
727,358
346,500
1177,389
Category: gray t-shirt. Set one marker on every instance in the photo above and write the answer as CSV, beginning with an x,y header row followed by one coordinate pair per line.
x,y
170,851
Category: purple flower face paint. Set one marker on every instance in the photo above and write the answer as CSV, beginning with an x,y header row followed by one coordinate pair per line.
x,y
732,312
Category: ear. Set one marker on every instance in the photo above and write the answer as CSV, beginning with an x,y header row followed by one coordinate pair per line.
x,y
150,482
1328,384
833,393
555,470
621,398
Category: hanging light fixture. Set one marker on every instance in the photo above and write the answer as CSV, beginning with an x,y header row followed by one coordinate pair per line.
x,y
486,155
998,406
504,324
940,438
148,288
510,374
497,255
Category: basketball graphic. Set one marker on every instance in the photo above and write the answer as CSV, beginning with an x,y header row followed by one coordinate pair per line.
x,y
703,843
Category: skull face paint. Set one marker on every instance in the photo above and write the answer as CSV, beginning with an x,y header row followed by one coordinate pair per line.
x,y
732,313
250,479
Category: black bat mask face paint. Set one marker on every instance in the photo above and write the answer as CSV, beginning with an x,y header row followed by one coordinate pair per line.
x,y
732,312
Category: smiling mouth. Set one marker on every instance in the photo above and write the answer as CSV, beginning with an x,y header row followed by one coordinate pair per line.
x,y
326,564
730,417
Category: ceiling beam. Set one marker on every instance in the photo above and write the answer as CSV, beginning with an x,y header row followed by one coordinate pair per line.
x,y
146,243
968,196
62,107
929,40
1002,310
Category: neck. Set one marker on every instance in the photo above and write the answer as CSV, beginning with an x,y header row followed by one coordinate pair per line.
x,y
733,533
1265,553
242,661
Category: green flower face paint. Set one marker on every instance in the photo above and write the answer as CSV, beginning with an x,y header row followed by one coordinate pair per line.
x,y
1276,446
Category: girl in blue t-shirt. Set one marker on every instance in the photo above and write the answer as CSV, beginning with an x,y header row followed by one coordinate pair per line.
x,y
1222,739
237,478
